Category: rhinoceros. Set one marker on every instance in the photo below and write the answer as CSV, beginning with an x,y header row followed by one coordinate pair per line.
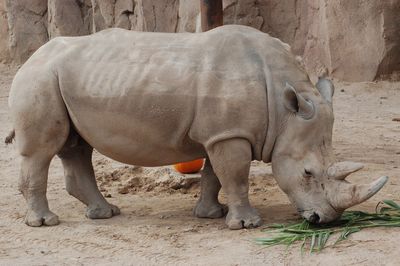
x,y
230,95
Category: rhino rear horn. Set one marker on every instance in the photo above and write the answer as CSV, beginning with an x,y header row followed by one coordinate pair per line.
x,y
326,88
296,103
341,170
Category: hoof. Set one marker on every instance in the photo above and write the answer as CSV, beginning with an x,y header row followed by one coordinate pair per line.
x,y
215,210
245,218
39,219
101,212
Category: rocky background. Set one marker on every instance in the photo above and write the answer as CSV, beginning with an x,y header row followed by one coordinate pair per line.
x,y
357,40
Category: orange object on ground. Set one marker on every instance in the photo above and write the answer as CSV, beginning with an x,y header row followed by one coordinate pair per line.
x,y
189,167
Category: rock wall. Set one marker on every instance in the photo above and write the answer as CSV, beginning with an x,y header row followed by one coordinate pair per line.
x,y
27,27
4,50
355,40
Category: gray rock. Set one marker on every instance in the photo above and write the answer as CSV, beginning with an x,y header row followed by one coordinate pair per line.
x,y
27,22
348,40
65,18
4,51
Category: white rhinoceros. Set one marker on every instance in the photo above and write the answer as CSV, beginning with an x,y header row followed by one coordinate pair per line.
x,y
231,95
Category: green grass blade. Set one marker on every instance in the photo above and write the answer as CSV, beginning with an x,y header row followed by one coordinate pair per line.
x,y
303,245
325,239
351,222
392,204
313,237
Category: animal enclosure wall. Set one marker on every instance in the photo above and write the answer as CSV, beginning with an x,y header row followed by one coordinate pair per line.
x,y
350,40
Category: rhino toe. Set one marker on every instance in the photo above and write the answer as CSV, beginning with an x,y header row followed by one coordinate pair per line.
x,y
215,210
102,212
245,218
38,219
115,210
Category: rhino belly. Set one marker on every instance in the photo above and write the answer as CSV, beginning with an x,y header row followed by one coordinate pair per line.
x,y
142,132
140,105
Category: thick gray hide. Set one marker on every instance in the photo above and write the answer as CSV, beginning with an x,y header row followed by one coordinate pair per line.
x,y
231,95
168,94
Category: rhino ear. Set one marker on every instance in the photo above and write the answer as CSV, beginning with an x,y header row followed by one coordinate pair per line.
x,y
326,88
290,98
295,103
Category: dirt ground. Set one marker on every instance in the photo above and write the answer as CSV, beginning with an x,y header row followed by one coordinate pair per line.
x,y
156,226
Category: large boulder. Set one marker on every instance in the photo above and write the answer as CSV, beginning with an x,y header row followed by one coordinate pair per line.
x,y
288,20
188,16
4,51
244,12
142,15
103,14
27,27
349,40
161,16
353,40
69,18
391,33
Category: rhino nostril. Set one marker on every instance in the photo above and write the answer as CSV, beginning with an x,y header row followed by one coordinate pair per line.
x,y
314,218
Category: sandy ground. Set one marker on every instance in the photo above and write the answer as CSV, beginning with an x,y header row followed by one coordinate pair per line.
x,y
156,225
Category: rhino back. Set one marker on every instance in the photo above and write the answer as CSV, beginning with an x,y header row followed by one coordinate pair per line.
x,y
133,94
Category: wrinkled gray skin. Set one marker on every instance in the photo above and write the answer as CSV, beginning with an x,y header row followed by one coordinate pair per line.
x,y
231,95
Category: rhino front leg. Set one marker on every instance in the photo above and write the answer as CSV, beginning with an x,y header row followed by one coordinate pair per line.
x,y
208,205
76,157
231,162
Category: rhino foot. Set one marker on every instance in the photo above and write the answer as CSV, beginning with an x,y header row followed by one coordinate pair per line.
x,y
243,217
41,218
102,212
209,210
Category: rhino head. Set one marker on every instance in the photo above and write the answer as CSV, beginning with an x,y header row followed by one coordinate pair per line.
x,y
303,162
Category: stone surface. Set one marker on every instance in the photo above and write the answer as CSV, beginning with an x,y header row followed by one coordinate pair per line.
x,y
68,18
353,40
27,27
391,24
160,16
103,14
4,51
349,40
244,12
188,16
142,15
122,10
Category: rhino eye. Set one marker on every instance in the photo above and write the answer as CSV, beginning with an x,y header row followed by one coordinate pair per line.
x,y
307,173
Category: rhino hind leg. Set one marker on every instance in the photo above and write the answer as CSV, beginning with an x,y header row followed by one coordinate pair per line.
x,y
33,186
40,132
231,162
76,157
208,205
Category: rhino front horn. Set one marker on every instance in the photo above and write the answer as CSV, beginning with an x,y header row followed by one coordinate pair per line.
x,y
348,195
341,170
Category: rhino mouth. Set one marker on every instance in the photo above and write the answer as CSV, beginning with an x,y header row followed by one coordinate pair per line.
x,y
314,218
318,217
343,195
310,215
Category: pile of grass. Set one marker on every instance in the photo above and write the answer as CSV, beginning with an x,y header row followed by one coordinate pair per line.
x,y
315,237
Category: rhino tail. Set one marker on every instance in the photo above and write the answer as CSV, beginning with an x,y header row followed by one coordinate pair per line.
x,y
9,139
